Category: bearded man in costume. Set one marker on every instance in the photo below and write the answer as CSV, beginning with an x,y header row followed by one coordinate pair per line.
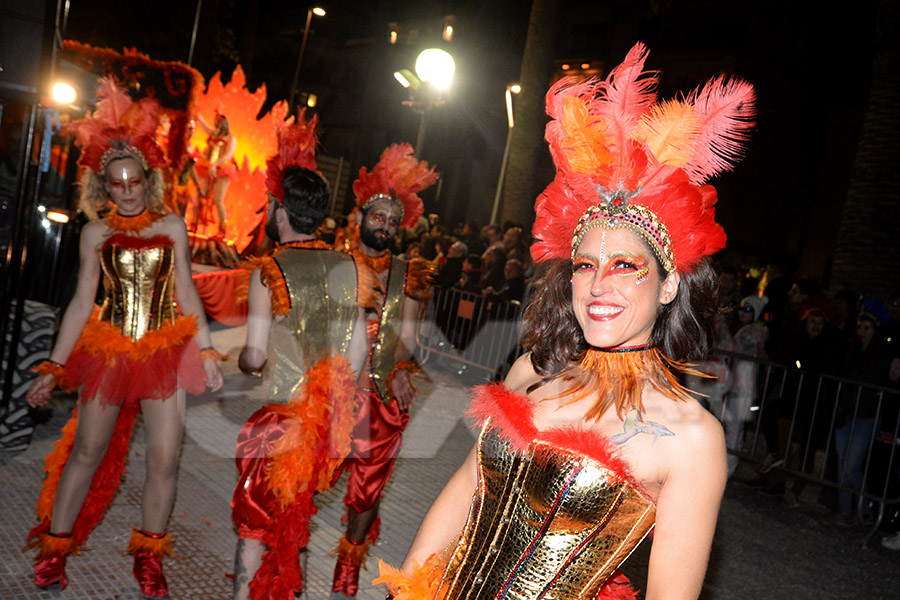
x,y
303,314
390,292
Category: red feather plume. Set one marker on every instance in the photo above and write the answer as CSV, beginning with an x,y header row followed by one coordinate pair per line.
x,y
400,175
613,136
296,148
120,124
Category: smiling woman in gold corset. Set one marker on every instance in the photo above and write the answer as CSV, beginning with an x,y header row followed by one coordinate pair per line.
x,y
139,352
591,443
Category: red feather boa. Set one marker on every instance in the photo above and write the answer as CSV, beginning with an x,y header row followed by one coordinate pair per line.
x,y
514,416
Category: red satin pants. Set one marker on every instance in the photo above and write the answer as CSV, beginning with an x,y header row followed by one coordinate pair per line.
x,y
377,439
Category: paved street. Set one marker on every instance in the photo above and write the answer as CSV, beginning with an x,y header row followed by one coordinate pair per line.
x,y
763,549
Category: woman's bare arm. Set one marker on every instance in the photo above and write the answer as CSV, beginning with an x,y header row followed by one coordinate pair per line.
x,y
686,512
77,313
447,515
187,296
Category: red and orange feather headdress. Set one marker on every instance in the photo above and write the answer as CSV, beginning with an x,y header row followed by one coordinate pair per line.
x,y
398,177
118,128
625,160
296,148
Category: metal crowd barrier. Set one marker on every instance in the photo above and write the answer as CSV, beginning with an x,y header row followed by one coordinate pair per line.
x,y
470,330
813,408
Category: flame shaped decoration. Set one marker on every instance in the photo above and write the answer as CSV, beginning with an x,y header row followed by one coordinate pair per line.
x,y
246,199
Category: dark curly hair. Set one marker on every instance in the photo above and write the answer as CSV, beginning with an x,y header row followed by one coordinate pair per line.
x,y
551,332
306,198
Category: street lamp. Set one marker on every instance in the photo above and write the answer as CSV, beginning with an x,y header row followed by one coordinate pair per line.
x,y
513,88
319,12
63,93
435,68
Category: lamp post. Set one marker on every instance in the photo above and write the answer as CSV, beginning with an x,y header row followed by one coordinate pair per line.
x,y
435,68
513,88
319,12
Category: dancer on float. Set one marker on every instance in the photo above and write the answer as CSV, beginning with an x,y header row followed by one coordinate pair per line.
x,y
307,334
390,292
591,442
218,167
134,354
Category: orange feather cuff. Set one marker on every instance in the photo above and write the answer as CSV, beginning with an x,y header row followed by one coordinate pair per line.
x,y
141,542
404,365
356,553
51,368
424,583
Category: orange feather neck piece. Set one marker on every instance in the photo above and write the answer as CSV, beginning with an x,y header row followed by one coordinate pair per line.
x,y
618,378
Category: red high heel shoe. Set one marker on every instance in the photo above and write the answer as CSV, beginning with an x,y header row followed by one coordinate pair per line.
x,y
148,549
50,564
351,556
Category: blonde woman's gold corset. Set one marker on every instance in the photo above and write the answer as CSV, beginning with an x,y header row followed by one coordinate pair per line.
x,y
545,523
138,277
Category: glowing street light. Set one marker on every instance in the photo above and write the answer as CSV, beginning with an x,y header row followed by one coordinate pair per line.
x,y
63,92
513,88
319,12
436,66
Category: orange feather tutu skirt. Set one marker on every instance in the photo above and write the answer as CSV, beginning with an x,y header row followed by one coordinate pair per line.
x,y
116,369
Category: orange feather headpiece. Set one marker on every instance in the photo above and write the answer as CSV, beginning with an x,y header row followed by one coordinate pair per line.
x,y
397,177
296,148
118,128
625,160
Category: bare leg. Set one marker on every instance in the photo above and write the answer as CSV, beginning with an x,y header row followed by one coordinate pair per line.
x,y
247,560
164,423
220,188
96,422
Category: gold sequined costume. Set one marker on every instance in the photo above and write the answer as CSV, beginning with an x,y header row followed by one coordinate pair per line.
x,y
136,346
554,516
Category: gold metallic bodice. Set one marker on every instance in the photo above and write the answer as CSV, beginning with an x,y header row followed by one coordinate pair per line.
x,y
139,287
215,147
545,523
322,289
383,357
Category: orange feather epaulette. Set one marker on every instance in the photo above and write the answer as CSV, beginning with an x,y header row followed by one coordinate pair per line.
x,y
419,276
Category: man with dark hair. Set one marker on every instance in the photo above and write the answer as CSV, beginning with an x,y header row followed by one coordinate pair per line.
x,y
306,334
305,203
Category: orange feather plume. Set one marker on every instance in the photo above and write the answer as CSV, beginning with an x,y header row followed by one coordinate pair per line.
x,y
400,175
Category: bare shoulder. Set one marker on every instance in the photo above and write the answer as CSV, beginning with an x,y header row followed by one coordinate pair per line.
x,y
173,225
173,221
93,233
522,374
94,229
696,429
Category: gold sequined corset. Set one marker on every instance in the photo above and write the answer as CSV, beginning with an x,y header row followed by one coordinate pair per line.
x,y
138,277
547,522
